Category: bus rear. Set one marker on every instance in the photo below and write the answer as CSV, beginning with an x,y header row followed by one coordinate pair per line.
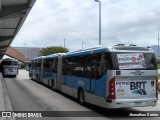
x,y
133,79
10,67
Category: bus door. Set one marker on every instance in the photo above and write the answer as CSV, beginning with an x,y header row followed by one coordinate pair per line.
x,y
92,72
54,71
41,67
58,81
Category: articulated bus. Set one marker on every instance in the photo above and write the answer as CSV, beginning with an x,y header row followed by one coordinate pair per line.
x,y
111,77
9,67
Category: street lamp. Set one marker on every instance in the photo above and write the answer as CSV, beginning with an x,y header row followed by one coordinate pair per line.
x,y
82,45
99,21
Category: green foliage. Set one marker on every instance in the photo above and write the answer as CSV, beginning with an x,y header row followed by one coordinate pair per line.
x,y
52,50
158,65
158,60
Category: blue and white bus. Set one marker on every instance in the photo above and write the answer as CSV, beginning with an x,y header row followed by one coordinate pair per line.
x,y
35,71
110,77
9,67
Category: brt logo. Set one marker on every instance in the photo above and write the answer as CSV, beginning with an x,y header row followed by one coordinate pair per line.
x,y
137,85
138,88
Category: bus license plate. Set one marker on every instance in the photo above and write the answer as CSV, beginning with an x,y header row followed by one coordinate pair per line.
x,y
138,103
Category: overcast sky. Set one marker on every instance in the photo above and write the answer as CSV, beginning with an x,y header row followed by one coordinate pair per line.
x,y
123,21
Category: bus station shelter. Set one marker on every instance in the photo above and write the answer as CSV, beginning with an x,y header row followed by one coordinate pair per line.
x,y
12,16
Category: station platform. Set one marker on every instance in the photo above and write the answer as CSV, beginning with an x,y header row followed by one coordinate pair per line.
x,y
5,103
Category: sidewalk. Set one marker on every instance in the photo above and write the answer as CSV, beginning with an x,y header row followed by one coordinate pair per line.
x,y
2,108
5,103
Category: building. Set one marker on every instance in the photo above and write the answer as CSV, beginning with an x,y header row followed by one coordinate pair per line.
x,y
29,52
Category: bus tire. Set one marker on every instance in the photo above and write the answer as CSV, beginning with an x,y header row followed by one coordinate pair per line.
x,y
30,75
36,78
81,97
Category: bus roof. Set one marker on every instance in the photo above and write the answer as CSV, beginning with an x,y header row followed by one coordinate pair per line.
x,y
54,55
100,49
9,59
86,52
51,56
116,48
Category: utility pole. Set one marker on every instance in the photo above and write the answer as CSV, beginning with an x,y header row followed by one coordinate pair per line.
x,y
64,43
99,20
158,41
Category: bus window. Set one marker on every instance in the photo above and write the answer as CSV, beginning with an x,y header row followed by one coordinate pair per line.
x,y
54,65
10,67
103,65
143,61
150,61
74,66
93,66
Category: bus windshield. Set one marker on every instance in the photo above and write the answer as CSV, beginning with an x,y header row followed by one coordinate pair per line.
x,y
134,61
10,63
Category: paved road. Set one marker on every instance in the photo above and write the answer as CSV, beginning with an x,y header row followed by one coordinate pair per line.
x,y
27,95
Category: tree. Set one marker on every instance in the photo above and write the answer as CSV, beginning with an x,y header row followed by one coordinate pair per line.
x,y
52,50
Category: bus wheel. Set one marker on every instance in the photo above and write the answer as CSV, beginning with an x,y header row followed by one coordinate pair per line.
x,y
81,97
30,75
36,78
